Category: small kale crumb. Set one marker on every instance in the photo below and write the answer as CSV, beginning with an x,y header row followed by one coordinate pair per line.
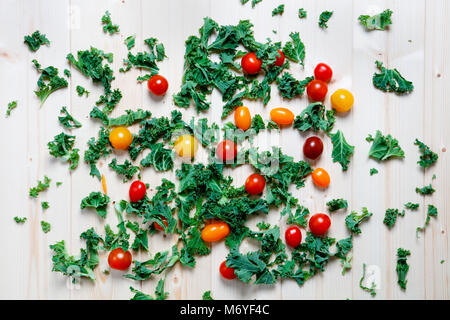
x,y
254,2
428,157
12,105
433,177
58,183
336,204
372,287
67,73
373,171
278,10
36,40
41,186
390,217
45,205
81,91
108,26
431,212
130,41
402,267
426,190
263,225
390,80
207,295
411,206
376,22
302,13
20,220
442,261
106,271
323,19
46,227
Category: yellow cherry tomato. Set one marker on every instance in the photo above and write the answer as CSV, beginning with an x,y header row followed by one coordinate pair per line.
x,y
215,231
342,100
281,116
186,146
242,118
321,178
120,138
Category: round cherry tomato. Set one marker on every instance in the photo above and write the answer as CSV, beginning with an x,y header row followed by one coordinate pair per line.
x,y
186,146
319,224
157,85
119,259
227,272
317,90
215,231
158,226
242,118
313,148
255,184
293,236
321,178
323,72
226,150
120,138
281,116
251,64
137,191
280,59
342,100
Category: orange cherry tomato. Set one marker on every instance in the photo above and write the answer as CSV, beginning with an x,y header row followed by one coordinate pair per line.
x,y
186,146
242,118
215,231
120,138
282,116
321,178
342,100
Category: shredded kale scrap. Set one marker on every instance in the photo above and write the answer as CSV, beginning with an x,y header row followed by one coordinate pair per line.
x,y
48,82
377,22
384,147
62,147
402,267
428,157
391,80
36,40
323,19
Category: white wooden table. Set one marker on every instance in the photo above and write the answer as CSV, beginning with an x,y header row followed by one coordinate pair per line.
x,y
417,44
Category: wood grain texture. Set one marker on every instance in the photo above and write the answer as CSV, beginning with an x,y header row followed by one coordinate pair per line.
x,y
417,44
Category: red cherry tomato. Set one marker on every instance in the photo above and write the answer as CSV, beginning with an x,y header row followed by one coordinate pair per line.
x,y
319,224
137,191
255,184
226,150
323,72
313,148
251,64
158,226
119,259
227,272
293,236
157,85
317,90
280,59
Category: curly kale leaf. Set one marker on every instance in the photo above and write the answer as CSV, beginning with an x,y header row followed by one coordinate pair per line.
x,y
390,80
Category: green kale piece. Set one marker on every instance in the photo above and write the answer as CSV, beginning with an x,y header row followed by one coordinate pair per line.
x,y
376,22
41,186
337,204
96,200
412,206
62,147
130,41
278,10
431,212
20,220
45,205
48,82
390,80
323,19
391,215
372,287
373,171
12,105
46,227
342,151
81,91
353,220
161,158
426,190
160,294
384,147
295,49
302,13
67,120
108,25
316,118
97,149
290,87
207,295
36,40
428,157
127,170
402,267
